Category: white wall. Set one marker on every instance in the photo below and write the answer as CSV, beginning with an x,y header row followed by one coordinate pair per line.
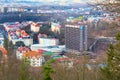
x,y
35,28
36,62
27,42
48,41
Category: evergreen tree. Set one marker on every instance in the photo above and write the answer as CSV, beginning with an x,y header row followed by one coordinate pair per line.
x,y
19,43
10,48
118,37
112,69
47,70
5,44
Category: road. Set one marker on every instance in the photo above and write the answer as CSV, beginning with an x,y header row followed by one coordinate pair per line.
x,y
110,40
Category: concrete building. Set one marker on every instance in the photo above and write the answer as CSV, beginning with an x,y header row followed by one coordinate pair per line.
x,y
76,37
45,40
56,49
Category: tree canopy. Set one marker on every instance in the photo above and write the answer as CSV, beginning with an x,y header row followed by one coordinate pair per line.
x,y
112,69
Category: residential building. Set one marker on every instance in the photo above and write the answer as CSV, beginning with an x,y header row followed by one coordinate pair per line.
x,y
35,27
36,59
12,26
44,39
55,27
20,51
76,37
1,39
68,62
20,35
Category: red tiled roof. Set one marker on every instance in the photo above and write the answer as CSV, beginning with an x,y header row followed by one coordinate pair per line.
x,y
41,51
63,59
23,49
35,24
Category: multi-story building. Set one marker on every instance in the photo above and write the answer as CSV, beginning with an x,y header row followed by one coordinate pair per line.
x,y
45,40
20,35
36,59
12,26
15,33
76,37
20,51
55,27
35,27
1,39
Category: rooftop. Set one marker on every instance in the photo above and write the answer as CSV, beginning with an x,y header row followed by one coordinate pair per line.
x,y
32,54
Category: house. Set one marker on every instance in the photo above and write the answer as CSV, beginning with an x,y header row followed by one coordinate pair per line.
x,y
20,35
35,27
36,59
20,51
65,61
55,27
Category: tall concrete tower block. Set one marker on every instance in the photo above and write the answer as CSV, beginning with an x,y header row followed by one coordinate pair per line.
x,y
85,37
81,38
76,37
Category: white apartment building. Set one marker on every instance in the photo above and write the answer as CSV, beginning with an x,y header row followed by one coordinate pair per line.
x,y
36,59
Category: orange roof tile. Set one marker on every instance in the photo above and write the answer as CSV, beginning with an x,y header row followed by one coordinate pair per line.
x,y
31,54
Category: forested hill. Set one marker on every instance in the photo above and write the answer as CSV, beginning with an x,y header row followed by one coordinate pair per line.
x,y
13,17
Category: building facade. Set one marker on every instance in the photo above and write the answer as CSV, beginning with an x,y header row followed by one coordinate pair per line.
x,y
35,27
20,51
36,59
76,37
